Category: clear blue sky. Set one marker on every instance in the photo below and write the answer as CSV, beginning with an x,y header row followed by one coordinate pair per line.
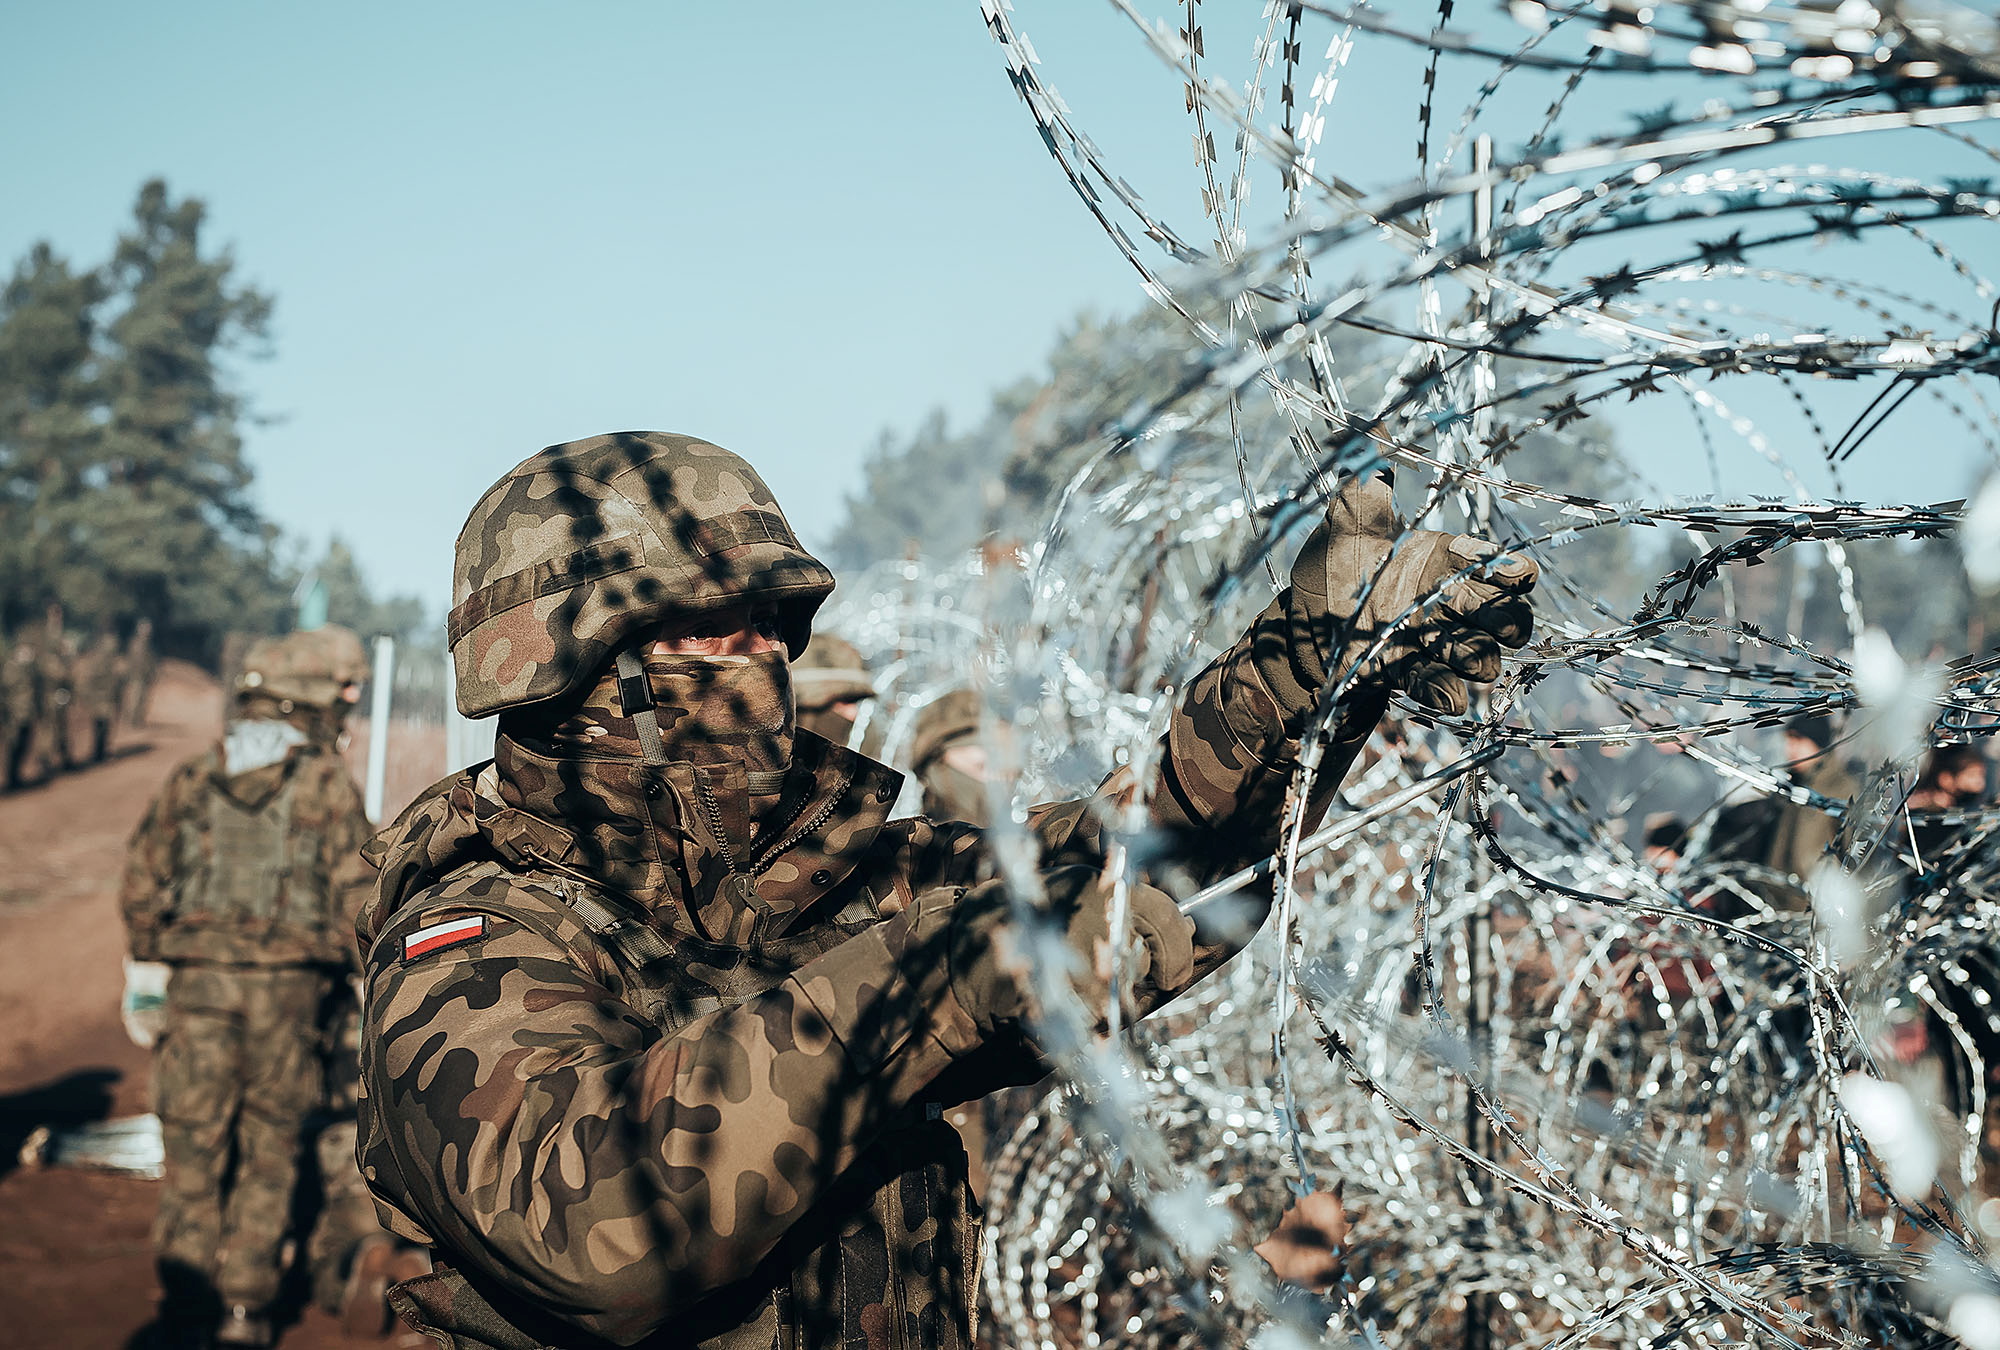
x,y
493,226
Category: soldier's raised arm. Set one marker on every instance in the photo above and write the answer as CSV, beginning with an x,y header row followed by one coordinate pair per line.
x,y
660,1003
1233,744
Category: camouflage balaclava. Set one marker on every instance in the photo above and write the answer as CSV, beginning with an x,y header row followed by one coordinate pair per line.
x,y
708,710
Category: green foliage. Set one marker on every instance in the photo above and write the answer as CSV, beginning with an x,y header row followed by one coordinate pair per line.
x,y
939,491
123,489
350,603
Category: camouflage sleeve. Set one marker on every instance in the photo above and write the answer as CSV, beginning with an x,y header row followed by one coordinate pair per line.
x,y
549,1137
1233,747
147,893
1229,756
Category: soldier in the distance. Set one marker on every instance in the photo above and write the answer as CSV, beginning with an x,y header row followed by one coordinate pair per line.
x,y
98,682
663,1010
831,683
239,897
1802,831
136,674
20,708
55,657
950,760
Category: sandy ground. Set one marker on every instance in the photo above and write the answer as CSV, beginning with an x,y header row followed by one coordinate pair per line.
x,y
75,1257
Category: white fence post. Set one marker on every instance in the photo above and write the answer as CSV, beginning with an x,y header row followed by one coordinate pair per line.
x,y
378,727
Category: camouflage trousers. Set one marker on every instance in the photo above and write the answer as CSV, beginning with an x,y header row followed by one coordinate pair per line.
x,y
235,1074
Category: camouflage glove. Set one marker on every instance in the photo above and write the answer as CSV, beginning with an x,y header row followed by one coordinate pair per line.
x,y
1328,627
989,978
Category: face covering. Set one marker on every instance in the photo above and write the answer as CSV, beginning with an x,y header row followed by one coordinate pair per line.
x,y
724,707
256,743
703,710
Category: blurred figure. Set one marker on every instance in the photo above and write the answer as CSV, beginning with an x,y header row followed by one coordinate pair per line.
x,y
830,680
1664,843
239,896
55,658
950,761
98,686
20,708
136,672
1953,779
351,1258
1800,833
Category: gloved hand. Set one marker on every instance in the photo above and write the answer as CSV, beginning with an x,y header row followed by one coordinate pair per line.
x,y
989,972
1456,638
144,1006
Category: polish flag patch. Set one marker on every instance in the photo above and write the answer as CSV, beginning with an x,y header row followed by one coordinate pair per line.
x,y
440,935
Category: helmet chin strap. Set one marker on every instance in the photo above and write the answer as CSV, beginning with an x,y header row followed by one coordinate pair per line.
x,y
635,695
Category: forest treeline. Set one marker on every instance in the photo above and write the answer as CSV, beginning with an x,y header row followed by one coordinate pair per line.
x,y
124,492
940,489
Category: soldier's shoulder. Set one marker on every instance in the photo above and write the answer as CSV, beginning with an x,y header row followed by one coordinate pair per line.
x,y
193,773
483,909
328,772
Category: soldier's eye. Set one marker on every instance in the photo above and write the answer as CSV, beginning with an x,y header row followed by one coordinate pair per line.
x,y
765,624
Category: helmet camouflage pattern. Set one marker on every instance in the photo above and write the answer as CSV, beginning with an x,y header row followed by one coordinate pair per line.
x,y
589,543
309,668
831,672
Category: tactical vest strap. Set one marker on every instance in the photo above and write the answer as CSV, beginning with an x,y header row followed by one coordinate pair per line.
x,y
630,936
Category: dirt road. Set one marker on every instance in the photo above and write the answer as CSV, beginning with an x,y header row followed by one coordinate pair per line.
x,y
75,1258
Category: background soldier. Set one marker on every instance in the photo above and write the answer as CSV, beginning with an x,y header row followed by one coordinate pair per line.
x,y
98,684
830,683
20,708
1801,833
136,674
949,759
239,896
663,1010
55,657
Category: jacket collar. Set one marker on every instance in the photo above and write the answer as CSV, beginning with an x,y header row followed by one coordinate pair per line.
x,y
676,838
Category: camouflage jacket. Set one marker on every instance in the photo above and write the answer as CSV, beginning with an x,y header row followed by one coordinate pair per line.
x,y
630,1096
20,687
256,869
96,676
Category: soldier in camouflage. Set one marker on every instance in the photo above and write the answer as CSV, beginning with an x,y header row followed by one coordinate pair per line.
x,y
136,673
662,1010
241,890
20,708
55,657
97,678
949,759
830,682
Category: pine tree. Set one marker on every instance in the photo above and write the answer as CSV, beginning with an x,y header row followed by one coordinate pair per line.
x,y
47,422
171,526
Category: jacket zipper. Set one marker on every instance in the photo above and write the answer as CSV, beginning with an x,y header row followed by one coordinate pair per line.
x,y
769,858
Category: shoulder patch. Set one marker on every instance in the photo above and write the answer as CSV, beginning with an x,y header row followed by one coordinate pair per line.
x,y
437,936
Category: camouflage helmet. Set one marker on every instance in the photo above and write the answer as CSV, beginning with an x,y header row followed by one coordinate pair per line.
x,y
951,717
310,668
589,543
831,672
